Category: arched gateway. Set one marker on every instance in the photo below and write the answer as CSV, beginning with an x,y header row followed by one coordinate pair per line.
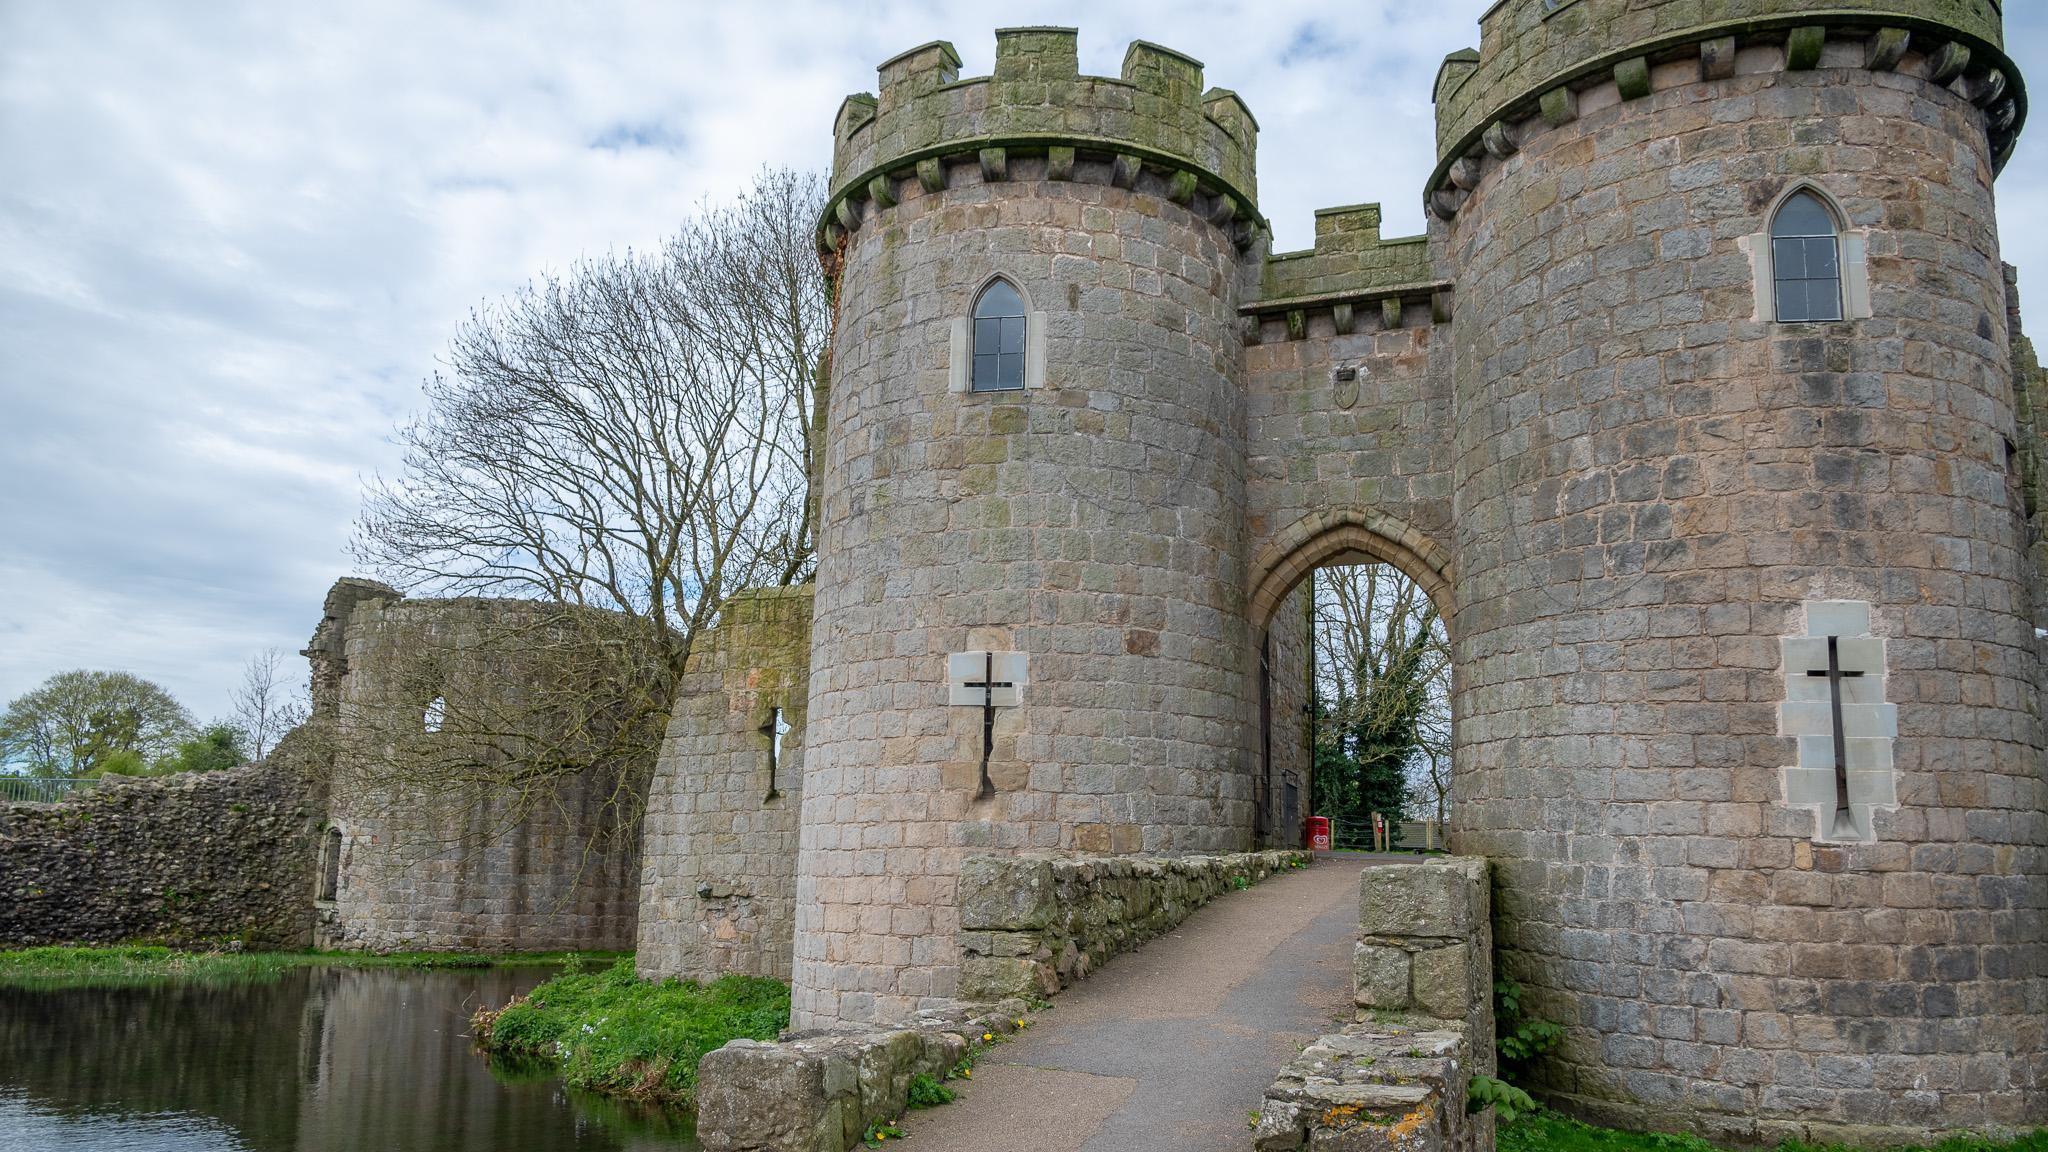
x,y
1747,702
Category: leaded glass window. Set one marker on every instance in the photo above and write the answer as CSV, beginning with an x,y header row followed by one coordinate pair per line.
x,y
998,339
1806,261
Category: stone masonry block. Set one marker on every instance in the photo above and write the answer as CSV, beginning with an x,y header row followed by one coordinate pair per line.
x,y
1442,982
1380,977
1437,900
989,978
1803,47
998,894
767,1097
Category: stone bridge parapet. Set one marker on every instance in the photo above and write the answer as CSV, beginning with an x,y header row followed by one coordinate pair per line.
x,y
1423,984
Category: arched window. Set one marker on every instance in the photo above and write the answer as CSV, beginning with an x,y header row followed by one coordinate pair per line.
x,y
1806,260
998,338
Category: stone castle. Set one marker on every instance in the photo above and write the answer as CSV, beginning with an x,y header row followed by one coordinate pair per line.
x,y
1701,385
1702,412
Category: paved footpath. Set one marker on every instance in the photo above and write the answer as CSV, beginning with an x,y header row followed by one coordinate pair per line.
x,y
1168,1048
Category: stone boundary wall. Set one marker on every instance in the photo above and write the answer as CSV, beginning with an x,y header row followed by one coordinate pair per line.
x,y
1422,979
818,1092
196,857
1033,924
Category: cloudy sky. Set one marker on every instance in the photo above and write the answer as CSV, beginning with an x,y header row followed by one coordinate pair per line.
x,y
233,239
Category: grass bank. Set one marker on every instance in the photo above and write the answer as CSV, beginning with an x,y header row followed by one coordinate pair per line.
x,y
608,1031
1550,1132
135,965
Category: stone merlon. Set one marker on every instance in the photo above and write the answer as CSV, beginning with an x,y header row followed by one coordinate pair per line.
x,y
1534,56
1156,115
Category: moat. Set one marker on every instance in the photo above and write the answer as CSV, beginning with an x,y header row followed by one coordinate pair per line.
x,y
320,1059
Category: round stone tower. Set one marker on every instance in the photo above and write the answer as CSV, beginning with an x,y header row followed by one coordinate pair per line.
x,y
1668,502
1077,537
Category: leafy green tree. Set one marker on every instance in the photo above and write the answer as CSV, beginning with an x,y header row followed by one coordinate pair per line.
x,y
217,746
1355,777
75,721
125,762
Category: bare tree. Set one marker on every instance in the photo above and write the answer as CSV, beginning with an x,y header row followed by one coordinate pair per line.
x,y
632,436
267,706
1382,669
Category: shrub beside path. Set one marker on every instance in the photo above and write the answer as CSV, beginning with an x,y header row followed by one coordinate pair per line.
x,y
1167,1048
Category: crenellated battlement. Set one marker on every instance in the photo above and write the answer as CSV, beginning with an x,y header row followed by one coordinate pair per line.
x,y
1351,265
1538,59
1197,145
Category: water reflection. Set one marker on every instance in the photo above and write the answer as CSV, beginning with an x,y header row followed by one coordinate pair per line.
x,y
320,1060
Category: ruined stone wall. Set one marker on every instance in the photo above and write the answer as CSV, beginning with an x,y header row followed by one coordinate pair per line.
x,y
719,842
200,857
452,864
1093,523
1650,482
2030,457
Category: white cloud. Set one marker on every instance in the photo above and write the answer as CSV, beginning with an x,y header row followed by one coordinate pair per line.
x,y
234,238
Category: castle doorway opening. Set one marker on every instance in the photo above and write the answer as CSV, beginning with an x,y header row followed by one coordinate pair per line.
x,y
1378,712
1353,716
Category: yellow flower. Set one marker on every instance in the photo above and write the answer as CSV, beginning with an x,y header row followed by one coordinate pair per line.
x,y
1020,1023
988,1035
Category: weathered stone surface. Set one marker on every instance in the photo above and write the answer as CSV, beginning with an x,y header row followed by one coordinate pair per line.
x,y
994,977
1380,976
1007,894
754,1097
1632,78
819,1092
711,819
1887,48
1034,924
1560,106
455,868
199,858
1803,47
1717,57
1432,899
1374,1086
1443,981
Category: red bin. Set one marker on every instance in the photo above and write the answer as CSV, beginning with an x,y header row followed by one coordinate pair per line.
x,y
1319,833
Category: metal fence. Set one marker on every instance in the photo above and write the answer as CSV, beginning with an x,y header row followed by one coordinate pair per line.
x,y
39,789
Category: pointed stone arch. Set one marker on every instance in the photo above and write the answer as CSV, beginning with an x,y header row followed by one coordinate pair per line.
x,y
1346,536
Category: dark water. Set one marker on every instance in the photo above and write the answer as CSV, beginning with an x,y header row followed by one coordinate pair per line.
x,y
321,1060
